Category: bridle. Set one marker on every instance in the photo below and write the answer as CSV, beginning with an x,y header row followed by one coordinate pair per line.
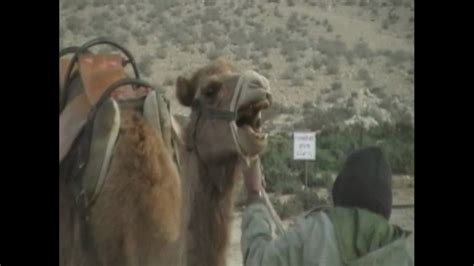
x,y
200,111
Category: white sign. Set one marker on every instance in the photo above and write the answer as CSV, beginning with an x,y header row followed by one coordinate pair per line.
x,y
304,146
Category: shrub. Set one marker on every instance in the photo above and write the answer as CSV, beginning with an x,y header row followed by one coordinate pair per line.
x,y
202,48
213,54
332,66
320,179
396,2
266,65
124,24
263,41
278,165
145,65
362,50
336,85
329,28
161,52
74,23
142,40
316,63
277,13
332,48
399,57
350,2
318,119
81,4
308,199
62,31
363,74
255,58
311,75
220,43
168,81
211,14
293,22
239,37
210,2
98,3
243,52
290,72
350,58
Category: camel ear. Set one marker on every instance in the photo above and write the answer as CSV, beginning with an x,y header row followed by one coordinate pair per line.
x,y
185,92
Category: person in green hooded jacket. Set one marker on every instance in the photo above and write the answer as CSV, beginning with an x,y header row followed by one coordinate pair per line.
x,y
356,231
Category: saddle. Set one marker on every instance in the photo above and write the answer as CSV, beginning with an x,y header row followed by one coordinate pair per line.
x,y
94,124
97,73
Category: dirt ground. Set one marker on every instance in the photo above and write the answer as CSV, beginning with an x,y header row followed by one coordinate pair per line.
x,y
404,217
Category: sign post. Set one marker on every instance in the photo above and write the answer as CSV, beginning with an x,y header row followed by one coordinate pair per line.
x,y
304,148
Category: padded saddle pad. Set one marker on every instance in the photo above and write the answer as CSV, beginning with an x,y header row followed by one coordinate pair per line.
x,y
156,112
105,132
71,122
98,72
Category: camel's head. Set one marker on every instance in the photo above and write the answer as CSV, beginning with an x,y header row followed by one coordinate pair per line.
x,y
226,106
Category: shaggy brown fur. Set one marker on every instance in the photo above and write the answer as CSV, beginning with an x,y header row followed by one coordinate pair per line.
x,y
136,218
144,215
209,170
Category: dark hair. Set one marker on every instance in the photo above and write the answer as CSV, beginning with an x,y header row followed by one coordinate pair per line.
x,y
365,181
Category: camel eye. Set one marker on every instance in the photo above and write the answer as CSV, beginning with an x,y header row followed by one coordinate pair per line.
x,y
212,89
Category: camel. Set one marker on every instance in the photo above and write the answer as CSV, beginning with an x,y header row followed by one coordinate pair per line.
x,y
135,217
148,211
213,152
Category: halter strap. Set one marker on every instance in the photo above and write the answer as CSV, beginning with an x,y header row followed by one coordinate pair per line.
x,y
201,111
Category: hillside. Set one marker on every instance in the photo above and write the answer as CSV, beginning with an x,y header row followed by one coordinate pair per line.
x,y
347,60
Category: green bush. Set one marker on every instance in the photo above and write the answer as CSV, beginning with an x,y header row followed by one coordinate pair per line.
x,y
285,175
278,164
308,199
320,179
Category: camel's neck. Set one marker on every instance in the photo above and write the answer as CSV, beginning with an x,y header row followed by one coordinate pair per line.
x,y
209,187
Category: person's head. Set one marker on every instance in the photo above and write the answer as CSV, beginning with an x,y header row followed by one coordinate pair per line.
x,y
365,181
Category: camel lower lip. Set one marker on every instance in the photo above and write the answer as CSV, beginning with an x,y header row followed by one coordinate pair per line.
x,y
258,135
251,137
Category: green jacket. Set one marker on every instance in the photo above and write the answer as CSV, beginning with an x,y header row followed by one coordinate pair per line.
x,y
336,236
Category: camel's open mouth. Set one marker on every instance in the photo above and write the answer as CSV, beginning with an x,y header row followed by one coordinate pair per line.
x,y
249,117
